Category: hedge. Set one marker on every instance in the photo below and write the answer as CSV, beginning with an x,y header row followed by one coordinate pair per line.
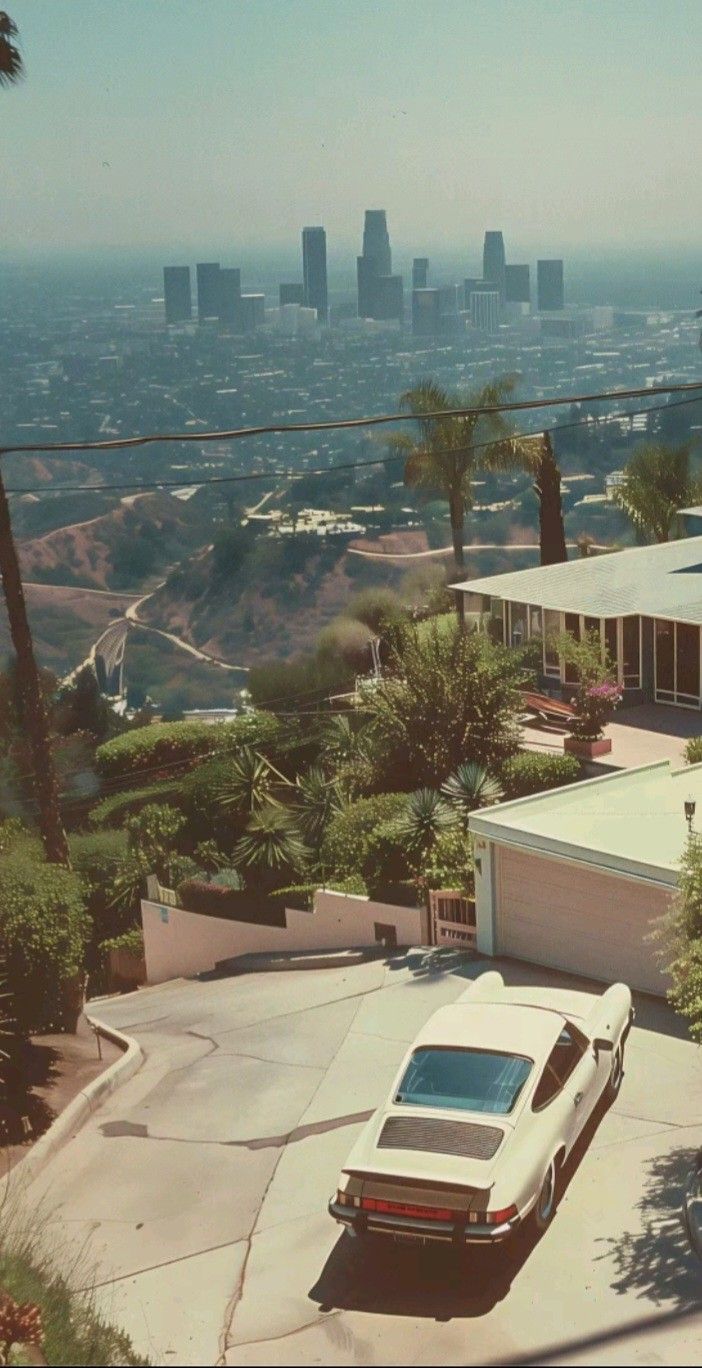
x,y
166,743
233,904
530,772
112,811
351,835
43,933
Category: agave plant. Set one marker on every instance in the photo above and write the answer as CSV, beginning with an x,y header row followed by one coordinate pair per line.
x,y
425,816
470,787
319,799
272,841
250,783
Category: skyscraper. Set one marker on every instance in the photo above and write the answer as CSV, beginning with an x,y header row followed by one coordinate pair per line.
x,y
517,287
549,284
314,271
485,310
291,294
376,241
207,289
494,261
380,294
471,285
177,297
229,309
426,312
420,273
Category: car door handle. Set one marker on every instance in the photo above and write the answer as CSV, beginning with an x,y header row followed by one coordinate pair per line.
x,y
578,1098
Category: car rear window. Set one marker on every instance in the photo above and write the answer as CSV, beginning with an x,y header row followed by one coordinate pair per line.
x,y
469,1080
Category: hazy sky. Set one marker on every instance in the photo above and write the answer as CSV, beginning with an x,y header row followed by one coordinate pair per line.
x,y
180,123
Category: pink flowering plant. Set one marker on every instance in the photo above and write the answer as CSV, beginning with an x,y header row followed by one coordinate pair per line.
x,y
597,692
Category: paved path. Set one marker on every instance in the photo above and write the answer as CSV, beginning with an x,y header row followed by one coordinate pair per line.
x,y
200,1188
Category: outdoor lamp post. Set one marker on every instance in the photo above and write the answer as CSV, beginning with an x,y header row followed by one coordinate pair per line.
x,y
690,806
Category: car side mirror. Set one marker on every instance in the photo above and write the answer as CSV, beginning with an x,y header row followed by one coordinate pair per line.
x,y
602,1043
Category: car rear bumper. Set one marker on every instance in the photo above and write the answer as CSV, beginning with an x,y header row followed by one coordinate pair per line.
x,y
411,1228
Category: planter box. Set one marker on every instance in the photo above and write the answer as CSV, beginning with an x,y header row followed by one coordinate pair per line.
x,y
587,750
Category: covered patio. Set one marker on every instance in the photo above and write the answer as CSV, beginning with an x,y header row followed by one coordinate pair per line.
x,y
640,734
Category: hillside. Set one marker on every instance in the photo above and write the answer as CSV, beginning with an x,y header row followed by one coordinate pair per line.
x,y
139,537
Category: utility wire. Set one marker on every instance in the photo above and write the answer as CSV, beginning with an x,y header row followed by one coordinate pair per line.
x,y
195,478
336,424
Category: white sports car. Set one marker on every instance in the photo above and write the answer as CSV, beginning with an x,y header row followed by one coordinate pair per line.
x,y
488,1103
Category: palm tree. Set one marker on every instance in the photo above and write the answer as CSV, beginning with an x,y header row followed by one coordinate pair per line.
x,y
445,458
11,64
425,816
470,787
250,783
657,484
539,458
35,712
271,842
319,799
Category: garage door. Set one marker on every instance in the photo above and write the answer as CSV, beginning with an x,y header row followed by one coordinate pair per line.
x,y
575,918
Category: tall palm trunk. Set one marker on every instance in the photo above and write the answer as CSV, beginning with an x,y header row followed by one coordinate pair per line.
x,y
457,516
547,485
35,715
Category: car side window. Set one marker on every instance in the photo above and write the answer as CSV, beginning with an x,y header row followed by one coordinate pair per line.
x,y
566,1053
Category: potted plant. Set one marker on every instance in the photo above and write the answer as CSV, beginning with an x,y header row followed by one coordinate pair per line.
x,y
596,696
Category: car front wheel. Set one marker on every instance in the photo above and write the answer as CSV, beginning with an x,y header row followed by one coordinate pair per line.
x,y
616,1074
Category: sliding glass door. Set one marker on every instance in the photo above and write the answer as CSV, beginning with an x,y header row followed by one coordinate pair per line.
x,y
677,661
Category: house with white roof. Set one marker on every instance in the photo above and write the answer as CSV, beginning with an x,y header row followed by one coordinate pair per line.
x,y
578,878
645,604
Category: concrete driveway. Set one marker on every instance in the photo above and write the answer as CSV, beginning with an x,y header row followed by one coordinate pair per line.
x,y
200,1189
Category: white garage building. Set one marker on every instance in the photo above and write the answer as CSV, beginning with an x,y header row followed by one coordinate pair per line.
x,y
576,878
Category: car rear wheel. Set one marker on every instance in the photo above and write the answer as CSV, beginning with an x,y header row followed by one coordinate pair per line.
x,y
616,1074
546,1200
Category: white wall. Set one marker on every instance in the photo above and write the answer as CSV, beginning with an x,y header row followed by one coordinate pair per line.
x,y
178,944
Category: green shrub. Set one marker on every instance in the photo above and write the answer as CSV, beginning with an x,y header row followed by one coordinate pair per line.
x,y
530,772
165,744
377,607
693,751
349,838
111,811
233,904
131,940
43,932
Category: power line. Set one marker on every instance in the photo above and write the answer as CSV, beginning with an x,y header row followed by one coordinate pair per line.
x,y
195,478
339,424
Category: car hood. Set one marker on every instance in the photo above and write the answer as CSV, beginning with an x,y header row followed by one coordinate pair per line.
x,y
431,1145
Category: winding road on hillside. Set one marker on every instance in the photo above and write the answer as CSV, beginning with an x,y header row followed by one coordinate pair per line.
x,y
448,550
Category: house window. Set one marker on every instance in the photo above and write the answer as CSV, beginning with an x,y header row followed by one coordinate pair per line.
x,y
610,642
552,626
677,661
631,652
665,661
496,621
518,624
572,625
688,662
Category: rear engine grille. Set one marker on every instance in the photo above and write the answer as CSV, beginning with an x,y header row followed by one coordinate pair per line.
x,y
440,1137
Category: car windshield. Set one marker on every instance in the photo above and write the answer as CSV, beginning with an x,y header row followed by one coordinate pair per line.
x,y
470,1080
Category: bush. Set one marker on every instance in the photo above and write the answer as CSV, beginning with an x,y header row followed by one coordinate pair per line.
x,y
43,933
112,811
165,744
131,940
693,751
233,904
377,608
353,835
347,640
530,772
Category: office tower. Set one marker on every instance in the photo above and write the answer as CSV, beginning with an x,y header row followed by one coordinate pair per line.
x,y
314,271
494,261
549,284
485,310
517,288
420,273
380,294
291,294
229,309
176,293
376,241
207,289
252,311
472,285
426,312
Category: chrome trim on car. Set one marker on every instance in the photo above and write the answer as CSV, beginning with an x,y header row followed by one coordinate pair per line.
x,y
459,1231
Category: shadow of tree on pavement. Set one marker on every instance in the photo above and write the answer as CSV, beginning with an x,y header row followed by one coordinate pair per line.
x,y
657,1262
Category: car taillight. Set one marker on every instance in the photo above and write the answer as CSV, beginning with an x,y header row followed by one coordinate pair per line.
x,y
424,1213
492,1217
345,1199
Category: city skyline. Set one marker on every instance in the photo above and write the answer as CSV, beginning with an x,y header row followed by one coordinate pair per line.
x,y
242,131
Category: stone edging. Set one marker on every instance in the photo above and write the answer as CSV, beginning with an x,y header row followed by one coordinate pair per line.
x,y
81,1106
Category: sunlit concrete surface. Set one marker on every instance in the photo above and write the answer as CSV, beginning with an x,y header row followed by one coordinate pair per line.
x,y
198,1194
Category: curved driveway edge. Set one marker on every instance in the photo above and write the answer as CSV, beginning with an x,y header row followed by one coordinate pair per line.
x,y
82,1105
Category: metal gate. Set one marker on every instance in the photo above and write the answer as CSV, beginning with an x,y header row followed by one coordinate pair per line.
x,y
452,918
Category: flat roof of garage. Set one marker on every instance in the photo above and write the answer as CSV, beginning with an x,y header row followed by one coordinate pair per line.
x,y
632,822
